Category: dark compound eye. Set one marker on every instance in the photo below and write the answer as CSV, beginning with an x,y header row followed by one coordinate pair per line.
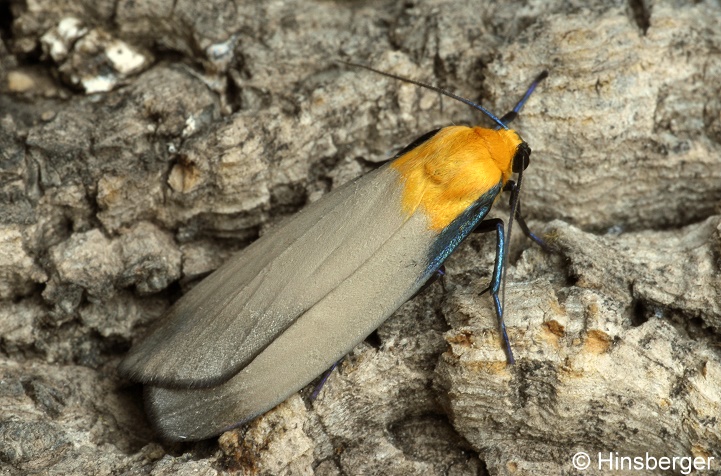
x,y
522,157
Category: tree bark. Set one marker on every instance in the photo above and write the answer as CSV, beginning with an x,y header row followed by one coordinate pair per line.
x,y
141,143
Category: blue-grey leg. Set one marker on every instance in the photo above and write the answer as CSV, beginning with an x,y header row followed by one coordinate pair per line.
x,y
511,187
496,224
323,379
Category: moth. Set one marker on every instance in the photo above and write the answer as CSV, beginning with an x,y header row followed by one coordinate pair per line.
x,y
295,301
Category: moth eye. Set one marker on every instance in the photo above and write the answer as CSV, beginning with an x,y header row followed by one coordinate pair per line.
x,y
521,158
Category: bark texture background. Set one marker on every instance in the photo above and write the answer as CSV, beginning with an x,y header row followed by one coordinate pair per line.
x,y
141,143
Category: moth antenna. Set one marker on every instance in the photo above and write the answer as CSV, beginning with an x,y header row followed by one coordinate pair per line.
x,y
511,115
468,102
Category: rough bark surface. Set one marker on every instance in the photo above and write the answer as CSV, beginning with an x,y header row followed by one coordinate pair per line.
x,y
141,143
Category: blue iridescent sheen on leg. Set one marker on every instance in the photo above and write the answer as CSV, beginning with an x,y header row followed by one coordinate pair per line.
x,y
496,224
323,379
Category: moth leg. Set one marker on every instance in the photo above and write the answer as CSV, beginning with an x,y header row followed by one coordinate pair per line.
x,y
436,276
496,224
511,187
323,379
